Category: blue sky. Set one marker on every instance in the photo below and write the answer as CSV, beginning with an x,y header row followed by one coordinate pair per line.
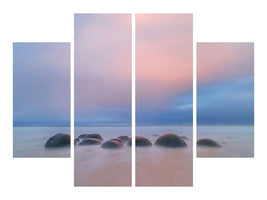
x,y
225,92
41,84
228,102
178,110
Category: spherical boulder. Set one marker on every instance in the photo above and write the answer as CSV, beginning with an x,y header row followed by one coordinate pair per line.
x,y
90,141
124,138
94,135
140,142
117,139
205,142
170,140
58,140
82,136
111,144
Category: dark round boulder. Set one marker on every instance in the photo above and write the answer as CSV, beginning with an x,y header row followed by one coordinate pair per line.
x,y
111,144
140,142
82,136
124,138
90,141
58,140
94,135
170,140
117,139
208,143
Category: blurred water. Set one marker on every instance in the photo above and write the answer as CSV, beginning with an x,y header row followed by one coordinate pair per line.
x,y
158,166
237,141
155,166
30,141
94,166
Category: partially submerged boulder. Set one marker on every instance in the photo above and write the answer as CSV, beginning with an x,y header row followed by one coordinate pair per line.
x,y
92,135
111,144
82,136
90,141
117,139
140,142
58,140
124,138
208,143
170,140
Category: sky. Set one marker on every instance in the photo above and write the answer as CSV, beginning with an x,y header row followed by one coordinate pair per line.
x,y
41,84
102,61
225,83
164,69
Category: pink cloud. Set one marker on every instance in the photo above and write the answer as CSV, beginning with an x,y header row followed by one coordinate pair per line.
x,y
103,62
164,50
219,61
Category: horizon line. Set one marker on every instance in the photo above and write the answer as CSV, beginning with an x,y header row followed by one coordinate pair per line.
x,y
108,125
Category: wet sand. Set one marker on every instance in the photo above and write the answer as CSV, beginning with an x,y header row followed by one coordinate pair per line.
x,y
155,166
95,166
159,166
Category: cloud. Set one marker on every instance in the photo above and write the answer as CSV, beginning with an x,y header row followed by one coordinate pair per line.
x,y
164,57
220,61
230,102
184,107
41,83
225,77
102,65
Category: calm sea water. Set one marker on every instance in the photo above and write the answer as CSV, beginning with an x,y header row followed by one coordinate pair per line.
x,y
94,166
155,166
158,166
30,141
237,141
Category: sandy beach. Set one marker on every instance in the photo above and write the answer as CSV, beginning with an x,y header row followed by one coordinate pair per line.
x,y
155,166
95,166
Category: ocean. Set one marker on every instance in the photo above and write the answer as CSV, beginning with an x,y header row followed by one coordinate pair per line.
x,y
155,166
95,166
30,141
159,166
237,141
